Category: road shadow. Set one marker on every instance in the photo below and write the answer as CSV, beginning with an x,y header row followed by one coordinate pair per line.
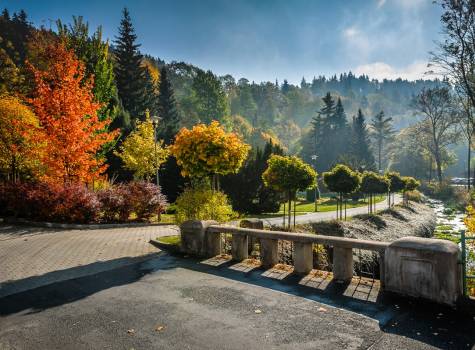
x,y
57,287
398,318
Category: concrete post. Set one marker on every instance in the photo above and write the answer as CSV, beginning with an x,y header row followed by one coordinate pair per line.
x,y
254,224
213,244
381,270
193,237
239,249
342,264
303,258
269,252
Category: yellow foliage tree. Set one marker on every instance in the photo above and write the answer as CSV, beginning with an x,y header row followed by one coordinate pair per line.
x,y
140,153
208,150
20,145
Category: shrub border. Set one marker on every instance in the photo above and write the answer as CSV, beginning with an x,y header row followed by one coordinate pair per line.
x,y
20,221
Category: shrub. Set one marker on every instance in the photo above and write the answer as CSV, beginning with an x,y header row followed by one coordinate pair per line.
x,y
414,196
75,203
115,206
145,199
50,202
203,204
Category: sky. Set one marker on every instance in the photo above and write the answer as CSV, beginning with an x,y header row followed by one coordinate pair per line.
x,y
264,40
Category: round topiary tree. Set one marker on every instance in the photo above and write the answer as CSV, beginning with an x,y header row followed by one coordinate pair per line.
x,y
288,175
208,150
410,184
342,180
371,184
396,184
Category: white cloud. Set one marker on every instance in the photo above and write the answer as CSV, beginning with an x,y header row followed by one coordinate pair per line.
x,y
382,70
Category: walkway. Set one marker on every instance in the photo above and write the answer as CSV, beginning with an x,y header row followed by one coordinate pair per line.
x,y
329,215
32,257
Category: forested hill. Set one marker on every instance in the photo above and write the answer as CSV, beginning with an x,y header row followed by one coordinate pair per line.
x,y
127,82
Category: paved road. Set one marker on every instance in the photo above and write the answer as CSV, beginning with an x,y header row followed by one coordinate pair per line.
x,y
176,303
31,257
330,215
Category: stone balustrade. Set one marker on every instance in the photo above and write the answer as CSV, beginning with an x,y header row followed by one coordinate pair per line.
x,y
429,268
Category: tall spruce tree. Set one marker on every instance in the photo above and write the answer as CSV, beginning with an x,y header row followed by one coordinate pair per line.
x,y
361,151
209,97
170,177
381,132
129,72
170,122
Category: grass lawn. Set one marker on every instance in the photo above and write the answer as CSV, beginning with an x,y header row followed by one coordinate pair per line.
x,y
175,240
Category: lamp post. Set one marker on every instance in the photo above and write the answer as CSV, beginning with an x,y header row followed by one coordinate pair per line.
x,y
314,158
155,120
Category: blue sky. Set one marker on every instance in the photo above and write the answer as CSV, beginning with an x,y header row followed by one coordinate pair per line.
x,y
268,39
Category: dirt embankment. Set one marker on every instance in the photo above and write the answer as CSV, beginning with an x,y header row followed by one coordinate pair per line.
x,y
388,225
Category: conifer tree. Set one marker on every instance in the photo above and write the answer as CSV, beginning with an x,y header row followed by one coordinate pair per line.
x,y
361,150
130,74
170,122
382,132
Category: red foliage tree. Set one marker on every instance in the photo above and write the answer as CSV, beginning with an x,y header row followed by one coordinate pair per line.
x,y
64,103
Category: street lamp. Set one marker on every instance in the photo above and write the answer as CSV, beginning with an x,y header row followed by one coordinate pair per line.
x,y
155,120
314,158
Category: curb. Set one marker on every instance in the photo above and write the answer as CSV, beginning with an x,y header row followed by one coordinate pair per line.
x,y
172,248
77,226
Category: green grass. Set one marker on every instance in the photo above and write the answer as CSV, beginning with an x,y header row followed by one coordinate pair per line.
x,y
174,240
327,204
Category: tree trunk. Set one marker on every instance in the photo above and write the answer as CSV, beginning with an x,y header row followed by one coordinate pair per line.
x,y
290,208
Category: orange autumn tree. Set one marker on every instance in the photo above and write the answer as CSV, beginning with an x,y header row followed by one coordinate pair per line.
x,y
64,104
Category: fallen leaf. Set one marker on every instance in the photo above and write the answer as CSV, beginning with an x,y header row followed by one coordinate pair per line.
x,y
159,328
322,309
257,311
131,331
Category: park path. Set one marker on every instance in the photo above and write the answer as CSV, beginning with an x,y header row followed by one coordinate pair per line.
x,y
31,257
330,215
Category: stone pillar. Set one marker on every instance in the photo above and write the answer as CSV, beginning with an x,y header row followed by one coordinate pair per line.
x,y
213,244
239,247
342,264
381,270
254,224
269,252
303,258
193,237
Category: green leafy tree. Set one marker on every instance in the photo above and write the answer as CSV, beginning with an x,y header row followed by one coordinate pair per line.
x,y
396,184
141,153
342,180
371,184
288,174
382,133
410,184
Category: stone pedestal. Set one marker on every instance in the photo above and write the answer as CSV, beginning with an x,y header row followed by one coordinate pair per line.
x,y
269,252
303,258
239,247
254,224
194,240
342,264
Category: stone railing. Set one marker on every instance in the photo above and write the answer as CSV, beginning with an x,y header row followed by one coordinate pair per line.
x,y
417,267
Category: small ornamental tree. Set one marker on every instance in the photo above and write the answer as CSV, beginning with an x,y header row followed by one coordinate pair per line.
x,y
396,184
207,150
288,175
68,115
371,184
342,180
410,184
141,153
